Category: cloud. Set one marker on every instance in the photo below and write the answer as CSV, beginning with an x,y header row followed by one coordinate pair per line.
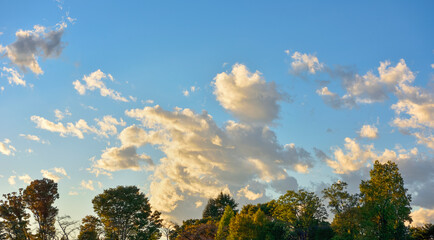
x,y
72,193
11,180
247,95
33,138
368,131
245,192
94,81
201,159
125,157
55,174
61,115
107,126
355,157
303,62
25,178
31,44
334,100
422,216
87,185
6,148
14,76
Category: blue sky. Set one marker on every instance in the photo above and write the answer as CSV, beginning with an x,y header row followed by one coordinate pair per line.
x,y
296,93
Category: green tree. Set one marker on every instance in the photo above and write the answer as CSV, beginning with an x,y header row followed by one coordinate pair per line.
x,y
90,228
425,232
223,231
192,229
302,211
15,219
346,208
39,197
386,204
216,206
126,214
251,227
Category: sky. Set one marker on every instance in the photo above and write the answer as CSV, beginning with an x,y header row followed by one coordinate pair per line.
x,y
187,99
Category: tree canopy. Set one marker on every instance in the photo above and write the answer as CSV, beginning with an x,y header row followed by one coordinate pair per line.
x,y
216,206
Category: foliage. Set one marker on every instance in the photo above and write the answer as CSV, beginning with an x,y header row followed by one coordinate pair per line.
x,y
90,228
386,204
346,208
223,227
302,211
425,232
203,229
39,197
216,206
126,214
16,220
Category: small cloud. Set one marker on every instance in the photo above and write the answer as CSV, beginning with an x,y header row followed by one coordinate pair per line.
x,y
186,93
72,193
149,101
61,115
134,99
55,174
198,204
11,180
87,185
287,52
33,138
245,192
13,76
29,150
368,131
303,62
25,178
6,148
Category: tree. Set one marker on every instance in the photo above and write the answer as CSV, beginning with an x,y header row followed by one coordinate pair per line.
x,y
346,208
16,220
167,228
197,229
223,227
90,228
386,204
302,211
216,206
425,232
252,227
67,226
39,197
126,213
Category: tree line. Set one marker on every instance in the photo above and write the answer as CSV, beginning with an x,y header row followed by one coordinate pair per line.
x,y
379,211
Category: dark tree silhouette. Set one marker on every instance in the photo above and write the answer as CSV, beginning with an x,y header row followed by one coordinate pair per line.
x,y
216,206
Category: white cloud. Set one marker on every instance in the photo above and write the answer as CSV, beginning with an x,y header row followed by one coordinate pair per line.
x,y
25,178
368,131
107,126
247,95
198,204
87,185
201,159
334,100
31,137
31,44
245,192
422,216
94,81
186,93
61,115
11,180
303,62
6,148
55,174
72,193
355,157
125,157
14,76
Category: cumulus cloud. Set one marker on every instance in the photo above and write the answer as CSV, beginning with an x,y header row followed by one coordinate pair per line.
x,y
125,157
334,100
54,174
94,81
106,126
31,44
303,62
247,95
422,216
13,76
6,148
200,158
11,180
368,131
25,178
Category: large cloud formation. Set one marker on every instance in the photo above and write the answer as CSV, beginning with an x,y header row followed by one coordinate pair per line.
x,y
31,44
202,159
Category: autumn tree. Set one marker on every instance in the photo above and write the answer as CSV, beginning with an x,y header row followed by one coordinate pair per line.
x,y
346,208
39,197
15,219
192,229
126,214
302,211
90,228
386,204
423,232
216,206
